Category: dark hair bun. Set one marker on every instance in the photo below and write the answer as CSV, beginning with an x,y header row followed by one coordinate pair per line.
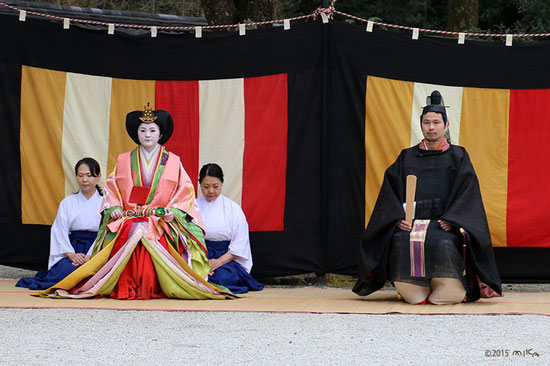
x,y
211,170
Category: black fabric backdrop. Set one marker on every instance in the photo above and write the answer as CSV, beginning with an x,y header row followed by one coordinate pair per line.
x,y
327,66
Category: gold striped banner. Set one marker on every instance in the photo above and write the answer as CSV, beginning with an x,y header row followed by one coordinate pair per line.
x,y
387,131
42,177
484,134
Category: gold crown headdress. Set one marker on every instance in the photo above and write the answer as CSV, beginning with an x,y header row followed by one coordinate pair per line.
x,y
148,116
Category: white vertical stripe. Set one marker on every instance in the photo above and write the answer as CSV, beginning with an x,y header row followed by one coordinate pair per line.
x,y
452,97
221,141
85,124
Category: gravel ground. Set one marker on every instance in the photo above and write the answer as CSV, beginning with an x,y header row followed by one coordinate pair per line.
x,y
106,337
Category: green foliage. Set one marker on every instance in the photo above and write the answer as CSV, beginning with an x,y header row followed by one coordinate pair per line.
x,y
534,16
515,16
175,7
412,13
495,16
293,8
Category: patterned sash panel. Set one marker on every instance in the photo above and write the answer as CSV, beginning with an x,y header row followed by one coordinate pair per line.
x,y
418,237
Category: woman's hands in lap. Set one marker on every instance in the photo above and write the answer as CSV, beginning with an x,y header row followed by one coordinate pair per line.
x,y
168,216
116,214
77,259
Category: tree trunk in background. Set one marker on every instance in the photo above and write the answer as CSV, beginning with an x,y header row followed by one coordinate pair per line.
x,y
219,11
462,15
255,10
236,11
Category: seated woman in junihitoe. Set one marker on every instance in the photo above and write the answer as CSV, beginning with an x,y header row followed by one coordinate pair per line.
x,y
226,234
151,242
74,228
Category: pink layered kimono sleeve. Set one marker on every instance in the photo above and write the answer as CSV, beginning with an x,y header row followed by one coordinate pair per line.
x,y
112,196
184,197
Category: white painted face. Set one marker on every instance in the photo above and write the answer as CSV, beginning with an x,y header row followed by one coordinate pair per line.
x,y
211,187
149,135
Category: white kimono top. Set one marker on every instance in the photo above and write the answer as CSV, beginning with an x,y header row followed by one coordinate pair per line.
x,y
75,213
224,220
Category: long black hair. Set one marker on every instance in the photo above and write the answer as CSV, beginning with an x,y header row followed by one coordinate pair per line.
x,y
211,170
95,170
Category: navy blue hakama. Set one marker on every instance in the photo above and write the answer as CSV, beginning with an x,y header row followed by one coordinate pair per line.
x,y
231,275
81,242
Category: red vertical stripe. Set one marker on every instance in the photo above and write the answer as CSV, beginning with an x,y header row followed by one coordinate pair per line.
x,y
528,173
181,99
264,162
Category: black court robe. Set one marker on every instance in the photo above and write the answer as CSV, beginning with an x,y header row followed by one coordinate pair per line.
x,y
450,175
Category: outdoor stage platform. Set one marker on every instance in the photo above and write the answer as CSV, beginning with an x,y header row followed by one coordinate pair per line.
x,y
290,300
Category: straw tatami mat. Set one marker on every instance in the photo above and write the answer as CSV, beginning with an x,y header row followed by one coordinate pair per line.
x,y
292,300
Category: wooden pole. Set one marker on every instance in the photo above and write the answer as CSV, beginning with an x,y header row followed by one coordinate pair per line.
x,y
409,198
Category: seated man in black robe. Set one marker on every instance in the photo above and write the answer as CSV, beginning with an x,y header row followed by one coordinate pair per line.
x,y
446,255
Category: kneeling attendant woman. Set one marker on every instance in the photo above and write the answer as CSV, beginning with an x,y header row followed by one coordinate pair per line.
x,y
74,229
226,234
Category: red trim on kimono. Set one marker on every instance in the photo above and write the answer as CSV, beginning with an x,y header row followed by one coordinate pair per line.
x,y
443,145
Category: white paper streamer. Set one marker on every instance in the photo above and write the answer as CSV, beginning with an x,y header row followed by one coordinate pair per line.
x,y
509,40
370,24
286,24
